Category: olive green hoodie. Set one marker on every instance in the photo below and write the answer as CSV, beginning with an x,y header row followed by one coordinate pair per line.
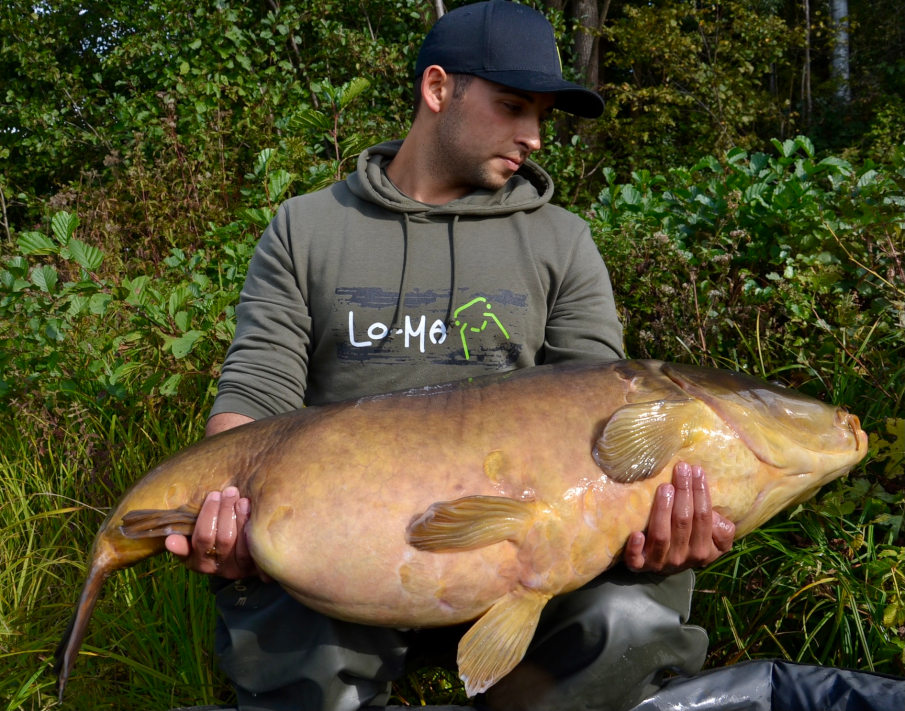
x,y
357,289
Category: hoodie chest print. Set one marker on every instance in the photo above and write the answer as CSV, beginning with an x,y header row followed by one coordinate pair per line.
x,y
470,326
413,332
475,317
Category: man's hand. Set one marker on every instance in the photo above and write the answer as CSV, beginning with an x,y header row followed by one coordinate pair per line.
x,y
218,544
684,531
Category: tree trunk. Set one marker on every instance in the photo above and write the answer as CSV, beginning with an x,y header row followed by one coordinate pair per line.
x,y
589,15
840,64
587,40
806,70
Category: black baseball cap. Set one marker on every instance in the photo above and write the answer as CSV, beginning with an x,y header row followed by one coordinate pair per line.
x,y
506,43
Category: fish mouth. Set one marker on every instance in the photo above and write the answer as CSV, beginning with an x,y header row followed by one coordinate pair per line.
x,y
854,425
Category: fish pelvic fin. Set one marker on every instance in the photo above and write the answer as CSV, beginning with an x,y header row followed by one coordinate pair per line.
x,y
640,438
497,642
471,522
158,523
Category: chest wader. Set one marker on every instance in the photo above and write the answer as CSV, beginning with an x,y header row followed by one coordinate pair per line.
x,y
605,646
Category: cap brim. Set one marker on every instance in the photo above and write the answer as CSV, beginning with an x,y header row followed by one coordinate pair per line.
x,y
571,98
581,102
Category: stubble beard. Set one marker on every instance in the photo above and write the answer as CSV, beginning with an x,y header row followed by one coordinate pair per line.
x,y
455,157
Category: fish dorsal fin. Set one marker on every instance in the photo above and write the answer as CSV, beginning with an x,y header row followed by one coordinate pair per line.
x,y
640,439
471,522
497,642
157,523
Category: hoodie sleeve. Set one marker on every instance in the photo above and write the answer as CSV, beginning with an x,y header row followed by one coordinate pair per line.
x,y
583,322
266,367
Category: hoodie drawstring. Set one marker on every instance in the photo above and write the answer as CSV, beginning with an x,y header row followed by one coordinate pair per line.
x,y
452,272
403,277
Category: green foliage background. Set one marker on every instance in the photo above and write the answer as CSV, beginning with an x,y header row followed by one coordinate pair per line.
x,y
143,148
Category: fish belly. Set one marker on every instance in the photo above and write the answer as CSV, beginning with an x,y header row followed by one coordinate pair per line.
x,y
330,514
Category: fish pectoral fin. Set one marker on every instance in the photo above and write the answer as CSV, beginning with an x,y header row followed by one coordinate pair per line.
x,y
157,523
497,642
471,522
640,438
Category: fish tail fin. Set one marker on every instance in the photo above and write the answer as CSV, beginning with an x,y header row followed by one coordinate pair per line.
x,y
68,649
113,550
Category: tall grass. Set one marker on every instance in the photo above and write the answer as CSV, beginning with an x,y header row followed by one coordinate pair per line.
x,y
809,589
149,644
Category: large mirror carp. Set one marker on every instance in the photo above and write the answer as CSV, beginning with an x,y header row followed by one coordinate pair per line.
x,y
480,500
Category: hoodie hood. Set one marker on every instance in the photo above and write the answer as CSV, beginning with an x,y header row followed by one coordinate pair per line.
x,y
530,188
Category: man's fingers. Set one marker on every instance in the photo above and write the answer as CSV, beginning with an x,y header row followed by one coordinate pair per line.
x,y
684,513
701,549
659,528
225,538
232,558
205,533
633,555
683,531
203,558
244,562
218,544
723,533
178,545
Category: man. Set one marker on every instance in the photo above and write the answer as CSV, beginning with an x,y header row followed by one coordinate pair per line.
x,y
439,259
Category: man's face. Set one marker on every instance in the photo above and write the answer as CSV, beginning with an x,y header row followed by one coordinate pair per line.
x,y
484,135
